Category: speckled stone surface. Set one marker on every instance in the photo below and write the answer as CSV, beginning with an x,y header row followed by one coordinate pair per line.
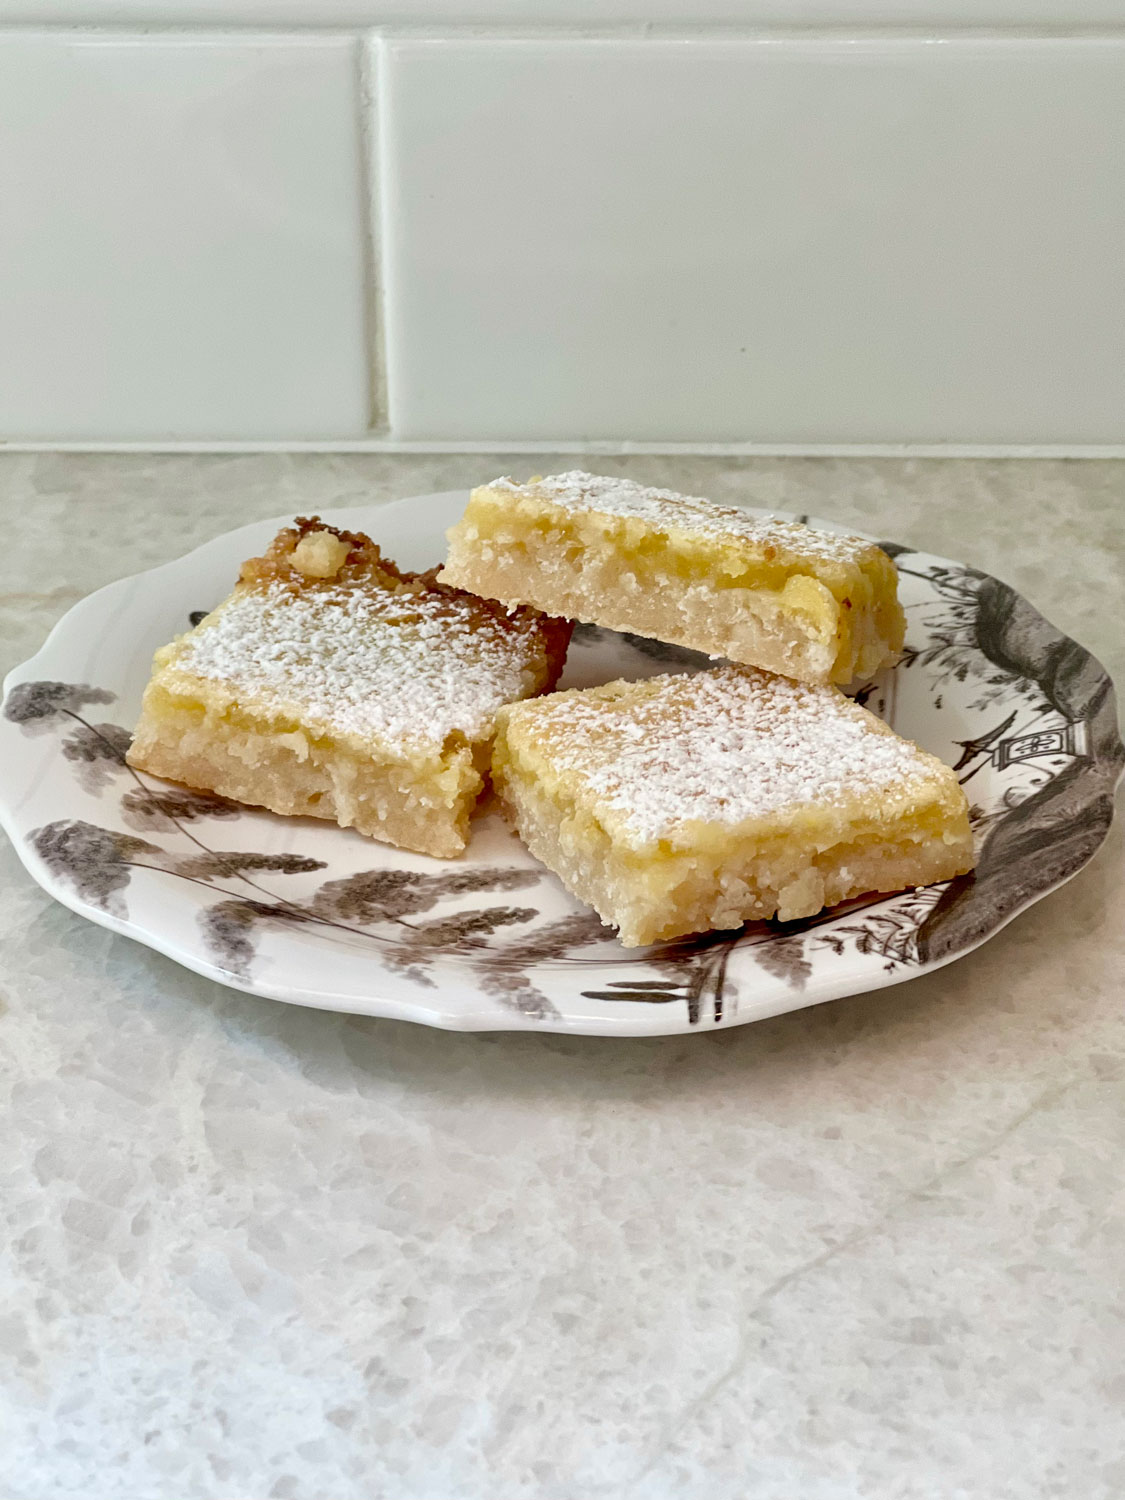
x,y
873,1249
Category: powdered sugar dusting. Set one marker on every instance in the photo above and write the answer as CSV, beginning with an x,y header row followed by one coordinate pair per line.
x,y
664,509
406,668
721,746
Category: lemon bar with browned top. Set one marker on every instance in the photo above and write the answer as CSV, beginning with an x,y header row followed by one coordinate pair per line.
x,y
332,683
686,803
775,594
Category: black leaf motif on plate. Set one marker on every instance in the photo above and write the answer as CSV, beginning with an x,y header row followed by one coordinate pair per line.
x,y
151,808
353,903
466,929
95,861
384,895
507,968
34,705
220,863
888,928
700,966
646,991
463,932
228,931
229,928
98,753
784,957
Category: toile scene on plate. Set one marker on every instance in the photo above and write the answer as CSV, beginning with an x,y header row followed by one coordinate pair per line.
x,y
270,905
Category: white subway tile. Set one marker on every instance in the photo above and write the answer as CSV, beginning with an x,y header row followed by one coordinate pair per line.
x,y
814,240
181,238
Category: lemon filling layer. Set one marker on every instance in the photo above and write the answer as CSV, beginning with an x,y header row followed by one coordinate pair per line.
x,y
330,684
771,593
682,804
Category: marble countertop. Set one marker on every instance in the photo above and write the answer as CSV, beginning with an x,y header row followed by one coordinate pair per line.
x,y
872,1249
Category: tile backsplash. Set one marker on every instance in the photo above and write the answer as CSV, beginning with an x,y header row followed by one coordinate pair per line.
x,y
383,232
181,238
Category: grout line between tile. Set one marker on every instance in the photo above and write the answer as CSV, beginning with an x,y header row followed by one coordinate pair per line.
x,y
936,29
597,448
937,26
368,94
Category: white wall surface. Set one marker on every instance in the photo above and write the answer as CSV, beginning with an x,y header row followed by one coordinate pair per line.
x,y
871,228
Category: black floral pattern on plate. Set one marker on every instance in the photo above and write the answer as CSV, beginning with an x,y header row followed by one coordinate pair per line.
x,y
97,862
971,629
166,806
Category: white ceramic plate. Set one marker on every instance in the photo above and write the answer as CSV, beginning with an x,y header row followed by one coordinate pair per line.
x,y
302,911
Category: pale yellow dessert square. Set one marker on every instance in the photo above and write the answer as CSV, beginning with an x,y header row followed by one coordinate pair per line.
x,y
335,685
775,594
686,803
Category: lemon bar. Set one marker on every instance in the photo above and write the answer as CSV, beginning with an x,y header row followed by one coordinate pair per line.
x,y
774,594
686,803
333,684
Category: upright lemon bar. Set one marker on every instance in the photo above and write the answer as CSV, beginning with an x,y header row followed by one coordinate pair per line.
x,y
774,594
333,684
686,803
